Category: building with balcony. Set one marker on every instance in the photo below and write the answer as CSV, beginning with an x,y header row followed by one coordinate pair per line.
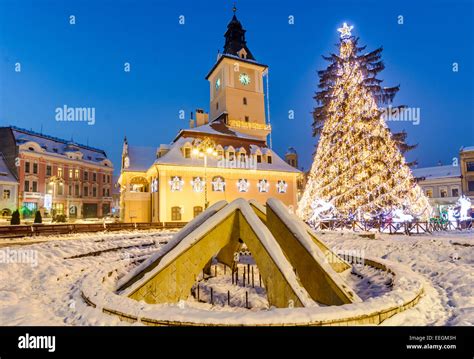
x,y
57,176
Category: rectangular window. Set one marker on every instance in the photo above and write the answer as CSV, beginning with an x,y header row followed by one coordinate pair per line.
x,y
429,193
76,189
70,173
86,191
70,190
108,192
103,178
269,159
48,170
94,177
470,166
247,119
35,167
470,186
86,176
197,211
231,156
26,187
60,189
443,193
103,192
6,194
108,178
259,158
60,172
94,192
187,152
455,192
76,174
27,167
176,213
35,186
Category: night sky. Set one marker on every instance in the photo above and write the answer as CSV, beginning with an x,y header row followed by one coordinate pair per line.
x,y
82,65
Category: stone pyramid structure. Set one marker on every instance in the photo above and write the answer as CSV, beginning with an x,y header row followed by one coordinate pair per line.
x,y
296,267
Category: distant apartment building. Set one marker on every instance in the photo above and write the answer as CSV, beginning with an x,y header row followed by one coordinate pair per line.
x,y
466,156
445,184
57,176
8,189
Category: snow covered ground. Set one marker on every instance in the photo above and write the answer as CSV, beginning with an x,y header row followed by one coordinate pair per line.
x,y
40,283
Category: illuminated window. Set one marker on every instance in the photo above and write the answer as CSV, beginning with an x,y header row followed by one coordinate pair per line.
x,y
218,184
70,173
443,192
429,193
243,185
60,172
263,185
76,174
6,194
176,184
198,184
282,186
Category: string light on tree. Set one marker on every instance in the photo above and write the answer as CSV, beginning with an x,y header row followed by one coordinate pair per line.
x,y
359,165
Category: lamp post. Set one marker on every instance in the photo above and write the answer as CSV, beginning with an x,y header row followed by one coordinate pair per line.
x,y
204,148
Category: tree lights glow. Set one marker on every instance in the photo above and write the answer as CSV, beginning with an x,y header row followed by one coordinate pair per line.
x,y
359,166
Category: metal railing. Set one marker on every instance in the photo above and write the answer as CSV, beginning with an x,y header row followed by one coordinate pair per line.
x,y
18,231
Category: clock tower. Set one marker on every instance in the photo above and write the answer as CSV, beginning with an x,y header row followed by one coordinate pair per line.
x,y
236,86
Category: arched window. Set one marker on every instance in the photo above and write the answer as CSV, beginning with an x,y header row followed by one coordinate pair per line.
x,y
138,184
176,213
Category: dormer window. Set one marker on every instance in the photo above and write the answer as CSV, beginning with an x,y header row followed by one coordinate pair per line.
x,y
231,156
269,159
187,152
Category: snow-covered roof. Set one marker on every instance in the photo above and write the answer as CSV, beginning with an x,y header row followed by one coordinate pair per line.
x,y
140,158
175,157
5,174
218,128
467,148
56,145
437,172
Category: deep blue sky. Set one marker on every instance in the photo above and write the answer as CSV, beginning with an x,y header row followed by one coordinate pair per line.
x,y
82,65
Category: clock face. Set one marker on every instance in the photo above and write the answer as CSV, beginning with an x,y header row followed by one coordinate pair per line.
x,y
244,79
218,83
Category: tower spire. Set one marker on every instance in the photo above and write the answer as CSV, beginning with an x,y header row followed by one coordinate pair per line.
x,y
235,38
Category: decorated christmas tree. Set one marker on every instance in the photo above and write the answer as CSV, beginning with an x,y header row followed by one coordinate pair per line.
x,y
359,167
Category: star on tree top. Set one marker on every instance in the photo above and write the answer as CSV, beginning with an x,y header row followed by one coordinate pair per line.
x,y
345,31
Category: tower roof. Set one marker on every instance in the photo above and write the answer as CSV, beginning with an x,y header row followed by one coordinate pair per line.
x,y
235,38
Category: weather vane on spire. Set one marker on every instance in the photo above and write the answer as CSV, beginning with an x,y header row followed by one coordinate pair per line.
x,y
345,31
234,9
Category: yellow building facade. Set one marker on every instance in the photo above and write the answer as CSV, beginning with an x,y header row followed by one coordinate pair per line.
x,y
223,155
